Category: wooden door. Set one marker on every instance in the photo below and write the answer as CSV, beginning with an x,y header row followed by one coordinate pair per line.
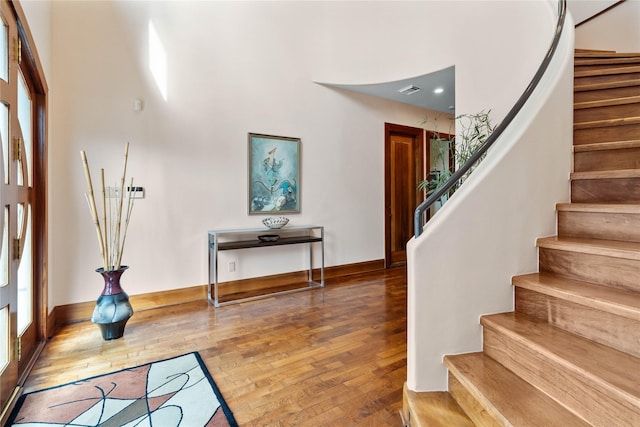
x,y
403,171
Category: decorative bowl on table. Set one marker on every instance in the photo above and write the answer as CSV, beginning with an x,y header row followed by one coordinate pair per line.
x,y
275,222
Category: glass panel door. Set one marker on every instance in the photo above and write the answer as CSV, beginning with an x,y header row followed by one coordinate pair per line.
x,y
441,170
24,168
23,196
8,199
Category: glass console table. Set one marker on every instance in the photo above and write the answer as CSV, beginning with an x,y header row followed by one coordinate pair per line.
x,y
245,238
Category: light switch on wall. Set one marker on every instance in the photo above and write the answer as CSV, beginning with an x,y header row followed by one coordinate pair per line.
x,y
136,192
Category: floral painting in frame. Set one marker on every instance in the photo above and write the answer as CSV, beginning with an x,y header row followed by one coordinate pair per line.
x,y
274,174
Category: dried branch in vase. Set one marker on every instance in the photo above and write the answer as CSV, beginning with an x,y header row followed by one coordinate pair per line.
x,y
110,231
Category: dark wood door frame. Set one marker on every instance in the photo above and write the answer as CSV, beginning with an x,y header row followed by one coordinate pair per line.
x,y
417,134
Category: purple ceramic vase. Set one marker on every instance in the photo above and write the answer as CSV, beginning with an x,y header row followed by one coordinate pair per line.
x,y
113,309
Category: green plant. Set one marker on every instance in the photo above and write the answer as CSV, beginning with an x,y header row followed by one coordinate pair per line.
x,y
471,132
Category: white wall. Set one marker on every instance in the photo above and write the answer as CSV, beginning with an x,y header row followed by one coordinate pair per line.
x,y
617,29
38,14
582,10
373,42
460,267
239,67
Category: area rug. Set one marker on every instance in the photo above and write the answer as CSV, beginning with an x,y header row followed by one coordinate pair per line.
x,y
168,393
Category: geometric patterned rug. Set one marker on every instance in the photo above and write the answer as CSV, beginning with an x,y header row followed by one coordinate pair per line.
x,y
168,393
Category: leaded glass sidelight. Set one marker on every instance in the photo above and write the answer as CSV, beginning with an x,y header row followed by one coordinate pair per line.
x,y
4,337
4,137
25,118
4,249
25,272
4,51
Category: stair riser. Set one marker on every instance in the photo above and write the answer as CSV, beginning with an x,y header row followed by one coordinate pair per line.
x,y
602,94
615,331
600,53
605,113
599,269
606,65
432,409
480,415
607,160
578,393
494,396
579,81
606,134
599,225
619,190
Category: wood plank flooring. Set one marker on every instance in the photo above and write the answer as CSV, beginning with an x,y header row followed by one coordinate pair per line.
x,y
328,357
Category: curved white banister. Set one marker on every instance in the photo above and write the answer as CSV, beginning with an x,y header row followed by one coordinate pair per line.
x,y
460,267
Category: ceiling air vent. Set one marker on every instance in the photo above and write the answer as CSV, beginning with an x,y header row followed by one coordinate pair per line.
x,y
411,89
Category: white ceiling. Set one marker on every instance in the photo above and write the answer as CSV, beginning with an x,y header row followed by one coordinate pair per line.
x,y
426,98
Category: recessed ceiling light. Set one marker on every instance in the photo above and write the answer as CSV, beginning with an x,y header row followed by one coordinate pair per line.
x,y
438,90
411,89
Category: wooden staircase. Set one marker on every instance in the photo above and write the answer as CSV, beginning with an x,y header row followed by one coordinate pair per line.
x,y
569,355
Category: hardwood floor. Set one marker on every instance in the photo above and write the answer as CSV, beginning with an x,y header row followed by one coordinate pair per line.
x,y
328,357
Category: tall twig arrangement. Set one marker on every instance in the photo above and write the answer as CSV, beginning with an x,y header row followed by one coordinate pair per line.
x,y
110,231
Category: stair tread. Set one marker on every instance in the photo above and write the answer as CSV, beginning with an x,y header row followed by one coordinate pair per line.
x,y
612,370
607,102
517,401
611,248
624,208
612,145
435,409
612,174
606,71
617,301
622,121
606,85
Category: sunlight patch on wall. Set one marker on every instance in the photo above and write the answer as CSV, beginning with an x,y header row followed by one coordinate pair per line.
x,y
157,60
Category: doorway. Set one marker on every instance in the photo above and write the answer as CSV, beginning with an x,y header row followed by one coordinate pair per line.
x,y
23,215
440,166
404,169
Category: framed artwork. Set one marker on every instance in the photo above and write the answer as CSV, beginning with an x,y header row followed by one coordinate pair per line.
x,y
274,174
